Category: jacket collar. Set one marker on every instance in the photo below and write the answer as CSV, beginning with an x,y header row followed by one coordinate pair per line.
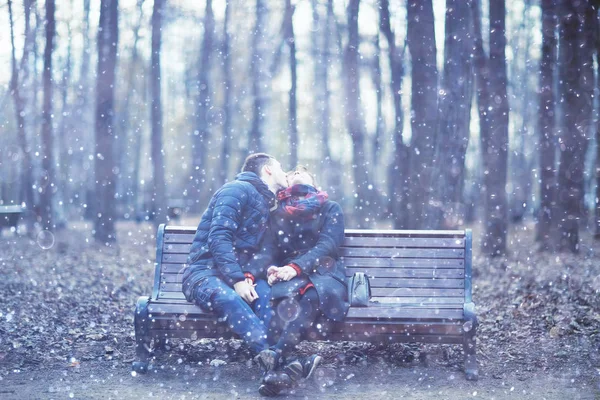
x,y
260,186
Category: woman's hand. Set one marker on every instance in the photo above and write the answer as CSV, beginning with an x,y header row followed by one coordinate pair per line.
x,y
276,274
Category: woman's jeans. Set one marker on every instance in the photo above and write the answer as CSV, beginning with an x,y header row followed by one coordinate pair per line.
x,y
248,321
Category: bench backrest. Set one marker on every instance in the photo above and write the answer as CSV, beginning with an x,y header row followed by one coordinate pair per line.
x,y
406,267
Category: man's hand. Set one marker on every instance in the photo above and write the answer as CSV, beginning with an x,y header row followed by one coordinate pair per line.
x,y
246,291
286,273
272,275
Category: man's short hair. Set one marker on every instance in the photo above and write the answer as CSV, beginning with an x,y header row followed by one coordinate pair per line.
x,y
256,161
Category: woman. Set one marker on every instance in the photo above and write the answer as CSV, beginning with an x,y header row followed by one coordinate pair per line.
x,y
300,256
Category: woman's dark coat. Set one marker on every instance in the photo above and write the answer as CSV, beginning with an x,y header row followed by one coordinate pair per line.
x,y
313,245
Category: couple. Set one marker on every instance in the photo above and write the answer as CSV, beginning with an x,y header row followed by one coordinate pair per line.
x,y
265,259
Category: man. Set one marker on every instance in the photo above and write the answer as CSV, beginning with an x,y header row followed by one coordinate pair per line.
x,y
227,237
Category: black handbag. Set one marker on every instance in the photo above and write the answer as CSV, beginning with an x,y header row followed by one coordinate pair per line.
x,y
359,290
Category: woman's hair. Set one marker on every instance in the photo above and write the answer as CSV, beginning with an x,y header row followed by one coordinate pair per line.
x,y
303,168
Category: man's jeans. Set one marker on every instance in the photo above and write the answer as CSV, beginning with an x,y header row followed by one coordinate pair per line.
x,y
249,322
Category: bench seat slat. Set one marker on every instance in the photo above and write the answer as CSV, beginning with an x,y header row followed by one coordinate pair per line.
x,y
380,261
378,241
458,301
176,270
370,251
185,240
387,262
179,237
404,233
375,311
408,273
205,323
376,291
425,282
401,252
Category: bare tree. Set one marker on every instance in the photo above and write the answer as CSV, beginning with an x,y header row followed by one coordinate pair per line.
x,y
227,95
597,174
321,59
379,125
356,126
49,183
19,106
201,135
108,39
398,170
576,87
546,113
258,73
129,138
492,104
293,108
424,77
454,113
159,189
62,150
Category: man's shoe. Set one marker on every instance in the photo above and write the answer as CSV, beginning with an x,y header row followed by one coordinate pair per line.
x,y
310,364
267,360
303,367
273,383
294,370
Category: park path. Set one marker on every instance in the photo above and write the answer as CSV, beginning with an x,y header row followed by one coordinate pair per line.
x,y
236,381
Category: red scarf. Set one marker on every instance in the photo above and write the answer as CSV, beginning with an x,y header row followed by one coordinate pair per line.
x,y
301,200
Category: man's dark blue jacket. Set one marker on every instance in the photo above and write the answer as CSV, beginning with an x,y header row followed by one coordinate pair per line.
x,y
229,232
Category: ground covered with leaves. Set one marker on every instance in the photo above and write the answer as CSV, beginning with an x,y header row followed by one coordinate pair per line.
x,y
67,304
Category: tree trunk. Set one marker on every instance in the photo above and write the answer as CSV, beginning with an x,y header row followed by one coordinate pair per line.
x,y
424,76
597,203
259,76
201,136
85,118
108,39
321,70
48,183
363,208
379,126
62,150
27,180
491,84
519,166
159,189
293,108
454,114
227,96
398,170
576,77
546,115
126,140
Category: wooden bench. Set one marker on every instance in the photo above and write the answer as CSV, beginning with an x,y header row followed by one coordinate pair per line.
x,y
420,281
9,215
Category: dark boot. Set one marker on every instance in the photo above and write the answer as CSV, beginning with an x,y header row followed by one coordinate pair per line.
x,y
267,360
303,367
273,383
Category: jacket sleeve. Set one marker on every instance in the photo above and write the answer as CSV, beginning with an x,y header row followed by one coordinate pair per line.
x,y
227,217
265,257
330,239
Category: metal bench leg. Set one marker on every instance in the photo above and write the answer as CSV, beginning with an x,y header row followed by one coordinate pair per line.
x,y
160,344
469,348
142,336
